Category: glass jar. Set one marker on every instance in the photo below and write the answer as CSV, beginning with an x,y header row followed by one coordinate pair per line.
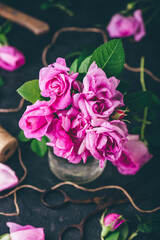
x,y
78,173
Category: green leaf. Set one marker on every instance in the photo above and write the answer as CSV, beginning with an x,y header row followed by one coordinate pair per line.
x,y
123,86
22,137
84,65
30,91
39,147
74,66
73,54
46,5
112,236
6,27
138,101
3,39
1,82
5,237
145,228
124,230
110,57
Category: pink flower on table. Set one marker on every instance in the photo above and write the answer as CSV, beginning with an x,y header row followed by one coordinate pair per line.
x,y
121,26
55,82
105,141
110,223
8,178
36,120
99,97
134,155
18,232
11,58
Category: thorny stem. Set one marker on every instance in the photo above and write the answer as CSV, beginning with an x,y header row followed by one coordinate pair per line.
x,y
144,122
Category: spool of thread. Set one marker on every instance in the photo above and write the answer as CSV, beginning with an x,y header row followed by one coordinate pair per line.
x,y
8,145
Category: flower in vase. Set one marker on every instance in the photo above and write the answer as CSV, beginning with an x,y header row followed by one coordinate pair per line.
x,y
105,140
55,82
36,120
134,155
99,97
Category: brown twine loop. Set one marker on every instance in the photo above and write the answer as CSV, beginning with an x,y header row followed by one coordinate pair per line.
x,y
94,30
3,110
70,29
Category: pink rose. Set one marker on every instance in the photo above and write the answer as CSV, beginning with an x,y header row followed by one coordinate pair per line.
x,y
99,97
11,58
77,131
105,141
134,155
62,143
18,232
68,136
55,82
121,26
8,178
110,223
36,120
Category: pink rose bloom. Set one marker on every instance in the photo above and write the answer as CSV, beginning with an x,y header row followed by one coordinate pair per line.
x,y
105,141
36,120
56,82
77,131
68,136
62,143
99,97
18,232
110,223
11,58
8,178
134,155
121,26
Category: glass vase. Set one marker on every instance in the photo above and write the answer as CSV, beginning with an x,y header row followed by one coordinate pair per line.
x,y
78,173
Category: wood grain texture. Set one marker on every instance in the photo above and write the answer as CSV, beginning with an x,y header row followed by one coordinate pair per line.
x,y
33,24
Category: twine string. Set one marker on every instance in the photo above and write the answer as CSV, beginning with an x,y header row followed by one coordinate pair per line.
x,y
94,30
10,110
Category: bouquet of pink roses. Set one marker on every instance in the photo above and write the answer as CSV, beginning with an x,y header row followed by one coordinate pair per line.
x,y
79,111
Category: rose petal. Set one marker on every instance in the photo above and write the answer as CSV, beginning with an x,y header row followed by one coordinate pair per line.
x,y
8,178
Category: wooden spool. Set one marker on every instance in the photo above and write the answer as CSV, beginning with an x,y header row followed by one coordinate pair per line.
x,y
8,145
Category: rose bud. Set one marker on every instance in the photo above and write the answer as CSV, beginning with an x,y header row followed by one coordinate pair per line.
x,y
11,58
110,223
119,114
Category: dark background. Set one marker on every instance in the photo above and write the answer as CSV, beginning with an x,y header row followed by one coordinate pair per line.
x,y
87,14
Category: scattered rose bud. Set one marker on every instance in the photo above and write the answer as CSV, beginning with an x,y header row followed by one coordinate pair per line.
x,y
8,178
110,223
18,232
11,58
121,26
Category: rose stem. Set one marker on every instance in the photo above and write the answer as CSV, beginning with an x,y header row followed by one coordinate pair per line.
x,y
146,108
